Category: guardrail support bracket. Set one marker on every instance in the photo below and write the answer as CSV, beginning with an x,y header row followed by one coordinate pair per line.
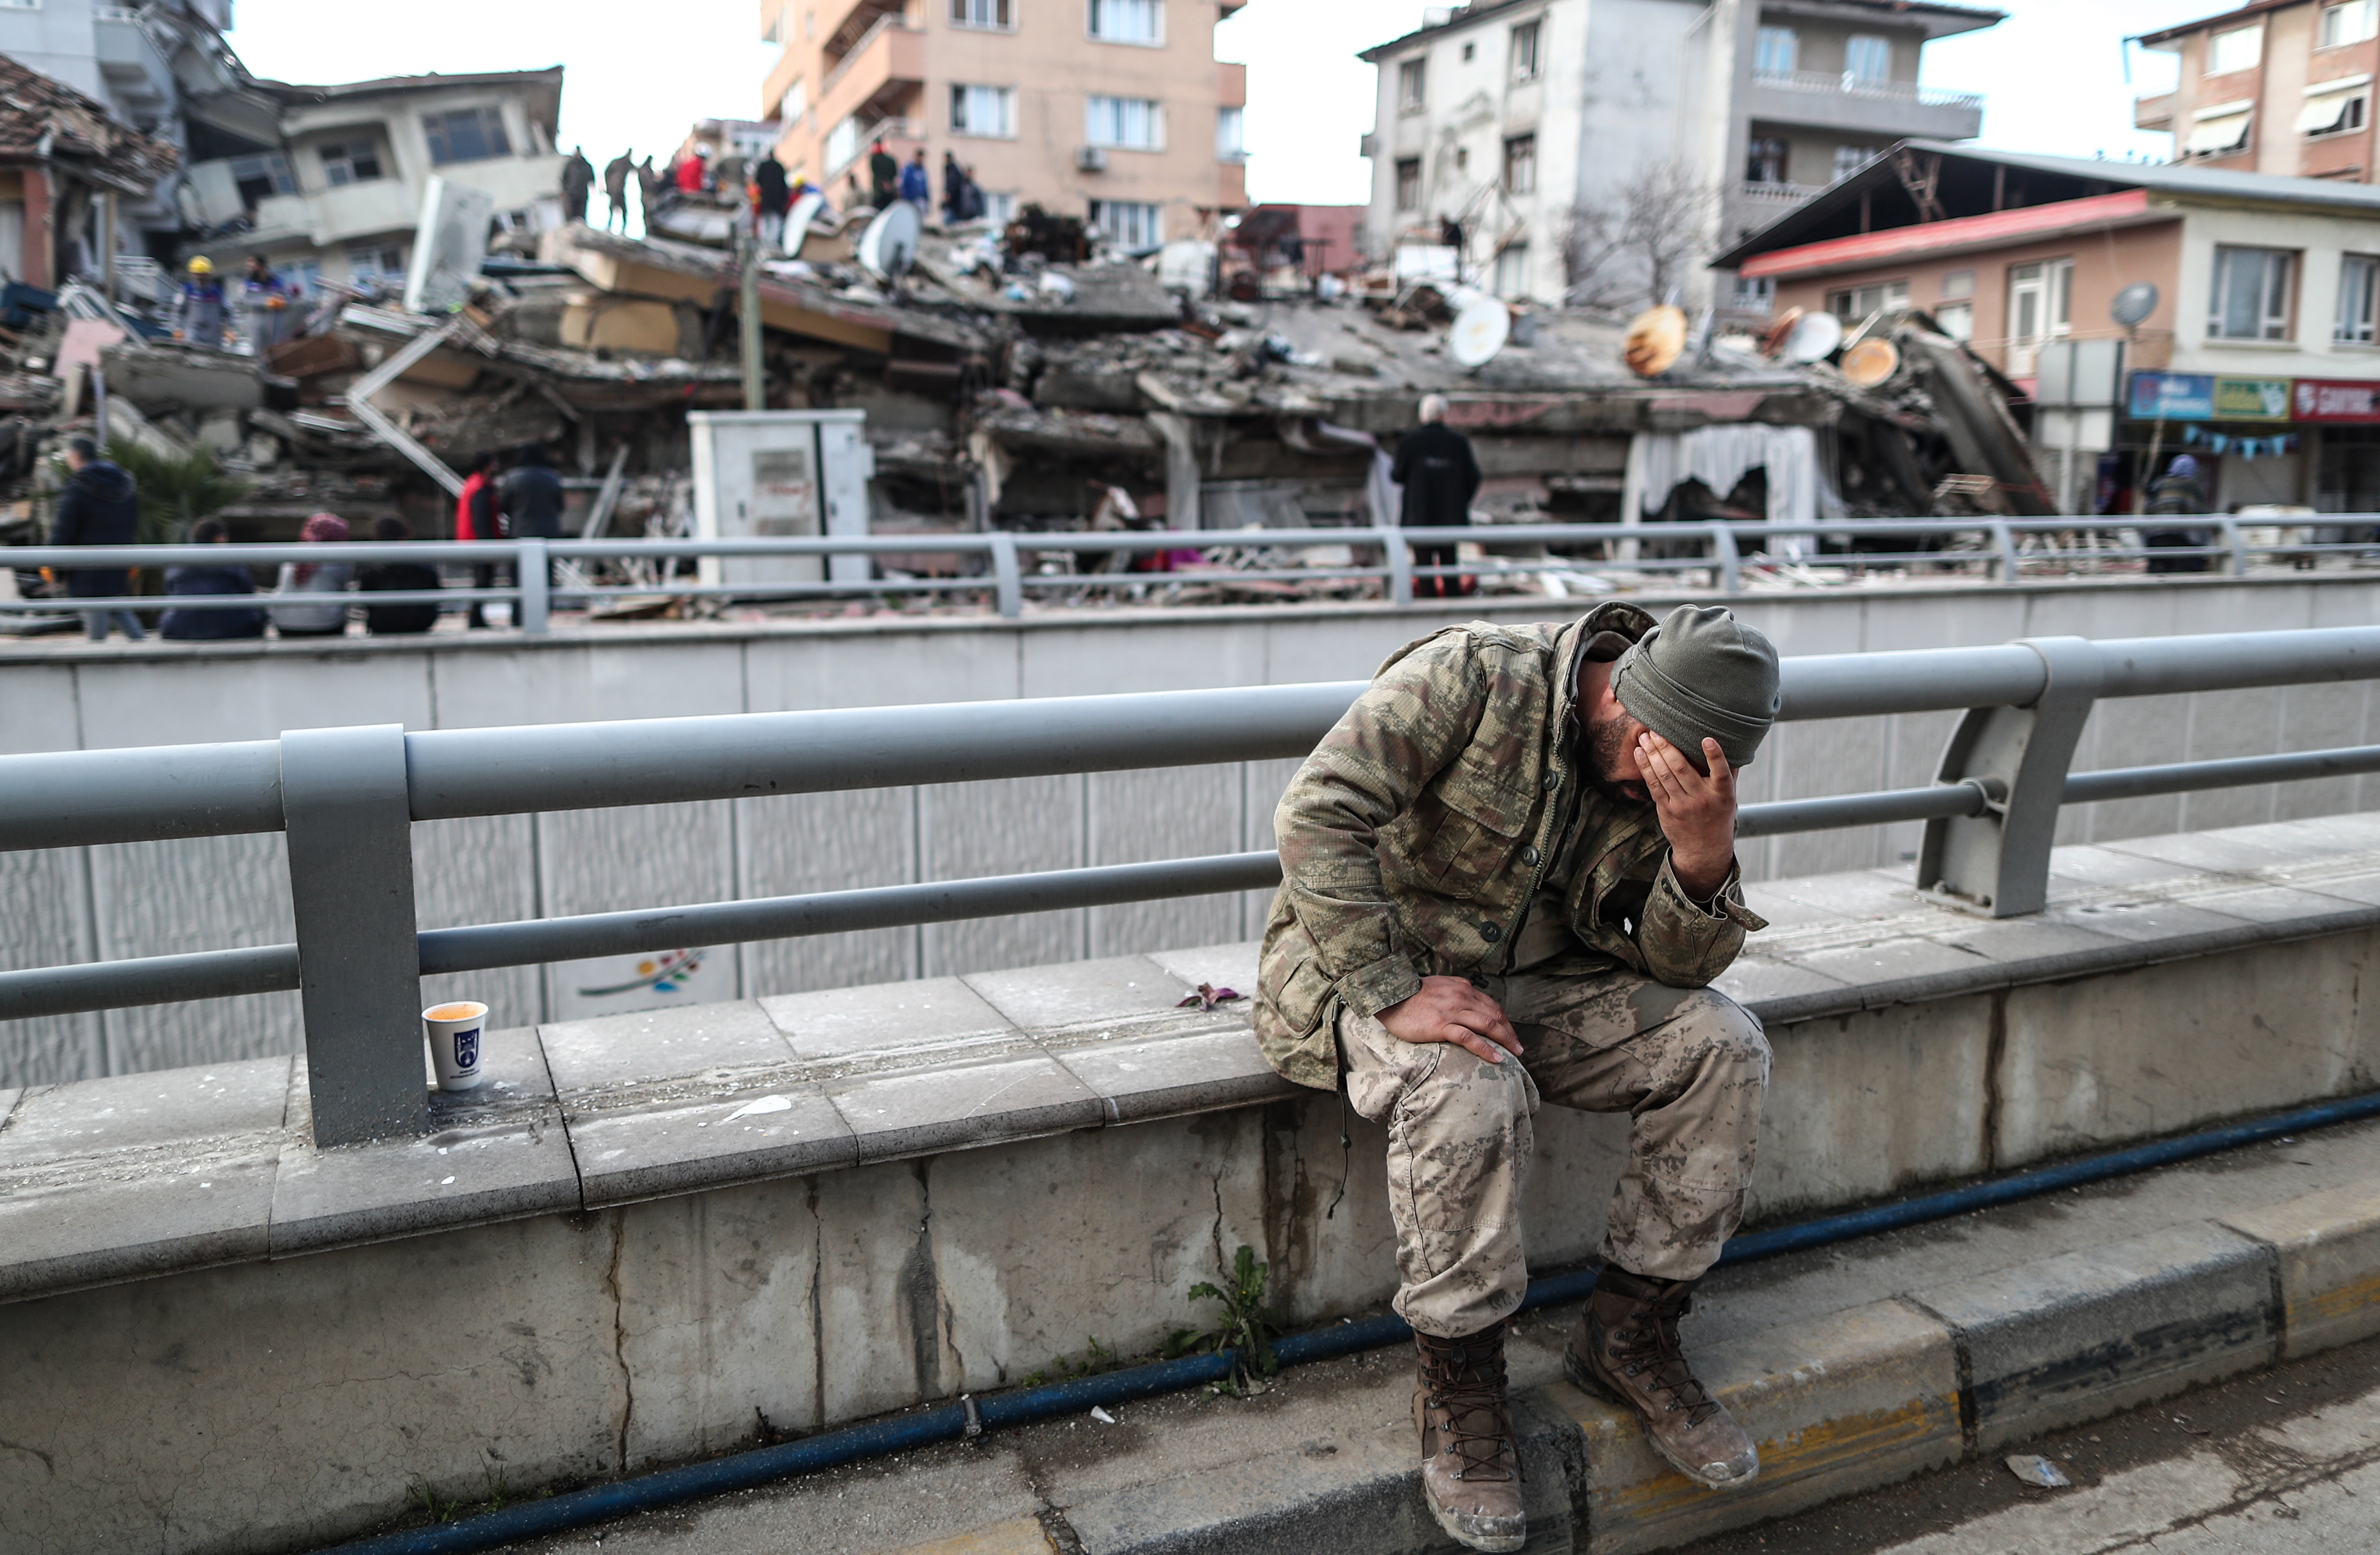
x,y
350,831
1998,863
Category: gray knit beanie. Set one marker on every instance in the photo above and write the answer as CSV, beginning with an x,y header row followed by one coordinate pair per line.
x,y
1701,673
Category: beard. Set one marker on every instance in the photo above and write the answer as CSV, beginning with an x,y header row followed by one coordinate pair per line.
x,y
1611,760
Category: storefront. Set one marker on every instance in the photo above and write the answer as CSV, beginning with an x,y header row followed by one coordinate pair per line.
x,y
2254,445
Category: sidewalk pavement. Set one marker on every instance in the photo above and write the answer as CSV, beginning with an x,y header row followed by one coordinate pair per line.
x,y
1856,1365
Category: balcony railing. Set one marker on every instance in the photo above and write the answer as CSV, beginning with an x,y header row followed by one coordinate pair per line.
x,y
348,800
1845,84
890,22
1778,194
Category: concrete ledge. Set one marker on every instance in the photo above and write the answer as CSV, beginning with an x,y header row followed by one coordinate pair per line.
x,y
2328,1247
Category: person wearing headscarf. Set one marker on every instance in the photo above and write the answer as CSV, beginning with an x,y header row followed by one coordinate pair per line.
x,y
2178,491
318,590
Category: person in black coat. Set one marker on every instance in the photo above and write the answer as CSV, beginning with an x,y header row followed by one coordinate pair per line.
x,y
99,506
210,626
1440,476
410,577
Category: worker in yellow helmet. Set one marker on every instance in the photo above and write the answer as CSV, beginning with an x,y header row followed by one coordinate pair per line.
x,y
199,311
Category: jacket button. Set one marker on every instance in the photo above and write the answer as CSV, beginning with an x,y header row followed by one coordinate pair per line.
x,y
1490,933
1553,780
1528,856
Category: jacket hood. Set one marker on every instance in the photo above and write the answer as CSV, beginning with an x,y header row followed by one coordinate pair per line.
x,y
103,481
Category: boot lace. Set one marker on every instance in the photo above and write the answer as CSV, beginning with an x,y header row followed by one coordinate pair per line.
x,y
1469,1385
1650,1348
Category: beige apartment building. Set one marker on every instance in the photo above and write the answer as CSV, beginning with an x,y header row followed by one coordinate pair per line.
x,y
2274,86
1113,110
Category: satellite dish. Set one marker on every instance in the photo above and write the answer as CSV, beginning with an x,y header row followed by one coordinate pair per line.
x,y
889,242
1813,338
1656,340
1871,362
1482,325
798,219
1773,341
2134,304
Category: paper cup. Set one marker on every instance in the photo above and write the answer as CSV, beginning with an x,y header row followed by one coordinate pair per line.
x,y
456,1030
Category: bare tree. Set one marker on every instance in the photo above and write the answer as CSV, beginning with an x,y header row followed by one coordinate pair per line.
x,y
1633,248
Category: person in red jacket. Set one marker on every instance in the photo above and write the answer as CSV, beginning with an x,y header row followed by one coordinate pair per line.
x,y
475,518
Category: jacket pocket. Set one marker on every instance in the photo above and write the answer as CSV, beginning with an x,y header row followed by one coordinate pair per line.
x,y
1305,999
1462,834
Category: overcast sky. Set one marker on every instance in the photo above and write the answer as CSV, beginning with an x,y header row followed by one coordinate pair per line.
x,y
2052,74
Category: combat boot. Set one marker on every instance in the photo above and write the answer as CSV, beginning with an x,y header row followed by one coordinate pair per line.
x,y
1470,1459
1625,1351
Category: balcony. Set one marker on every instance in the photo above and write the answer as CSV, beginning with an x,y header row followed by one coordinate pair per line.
x,y
891,54
363,210
1892,110
2154,113
132,63
1775,199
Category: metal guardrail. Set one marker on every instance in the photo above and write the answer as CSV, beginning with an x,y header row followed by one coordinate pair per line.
x,y
347,799
1727,550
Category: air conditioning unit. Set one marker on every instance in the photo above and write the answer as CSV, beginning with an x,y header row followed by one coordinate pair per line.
x,y
1091,159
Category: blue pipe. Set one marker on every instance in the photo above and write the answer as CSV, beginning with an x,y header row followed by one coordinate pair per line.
x,y
744,1471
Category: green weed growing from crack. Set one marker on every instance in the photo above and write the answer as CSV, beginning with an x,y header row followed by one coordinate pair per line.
x,y
1248,1328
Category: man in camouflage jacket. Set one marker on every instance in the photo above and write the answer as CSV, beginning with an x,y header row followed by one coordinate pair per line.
x,y
1509,872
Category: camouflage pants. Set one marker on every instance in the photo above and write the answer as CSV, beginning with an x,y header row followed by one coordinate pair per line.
x,y
1691,1065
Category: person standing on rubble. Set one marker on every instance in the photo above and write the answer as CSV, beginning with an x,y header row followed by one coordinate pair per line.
x,y
954,185
98,506
688,172
1441,475
916,184
883,177
577,183
650,185
199,309
616,174
476,519
532,500
775,197
1509,875
265,297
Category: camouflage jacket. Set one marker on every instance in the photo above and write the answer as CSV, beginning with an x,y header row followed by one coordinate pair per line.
x,y
1443,804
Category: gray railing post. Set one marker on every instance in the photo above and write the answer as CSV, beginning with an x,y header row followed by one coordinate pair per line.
x,y
536,586
1730,559
1997,862
2004,542
1007,575
1399,557
2238,547
343,799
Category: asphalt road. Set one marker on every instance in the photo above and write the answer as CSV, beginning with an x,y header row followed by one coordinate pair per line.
x,y
2274,1462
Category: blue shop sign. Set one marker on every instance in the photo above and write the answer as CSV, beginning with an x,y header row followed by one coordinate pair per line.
x,y
2173,397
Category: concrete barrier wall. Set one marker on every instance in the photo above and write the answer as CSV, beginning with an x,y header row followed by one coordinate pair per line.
x,y
151,899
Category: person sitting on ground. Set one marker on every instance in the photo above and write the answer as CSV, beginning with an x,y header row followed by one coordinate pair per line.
x,y
1509,873
210,626
98,506
318,589
410,577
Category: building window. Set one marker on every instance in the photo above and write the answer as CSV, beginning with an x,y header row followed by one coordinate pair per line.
x,y
2352,23
1470,52
350,161
1413,85
1128,21
796,103
1000,206
1520,164
2242,48
2041,308
261,177
1958,282
1133,124
1854,303
1230,134
466,135
1756,294
2219,131
2359,287
2333,113
842,145
1524,52
1867,59
2252,293
1513,271
1777,52
993,14
1409,183
1850,158
1765,161
376,261
1129,223
1958,319
979,110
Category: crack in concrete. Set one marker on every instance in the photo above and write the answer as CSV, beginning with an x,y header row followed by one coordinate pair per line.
x,y
2251,1493
620,1333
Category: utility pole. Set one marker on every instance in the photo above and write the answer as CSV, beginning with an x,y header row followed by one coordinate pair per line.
x,y
756,388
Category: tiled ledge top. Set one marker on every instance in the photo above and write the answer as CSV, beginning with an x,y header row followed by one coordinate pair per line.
x,y
142,1175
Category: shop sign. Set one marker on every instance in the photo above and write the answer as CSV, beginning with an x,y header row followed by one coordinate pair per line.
x,y
2251,399
2173,397
2337,399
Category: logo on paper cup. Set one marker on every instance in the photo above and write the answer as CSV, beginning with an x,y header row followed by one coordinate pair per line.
x,y
466,1048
